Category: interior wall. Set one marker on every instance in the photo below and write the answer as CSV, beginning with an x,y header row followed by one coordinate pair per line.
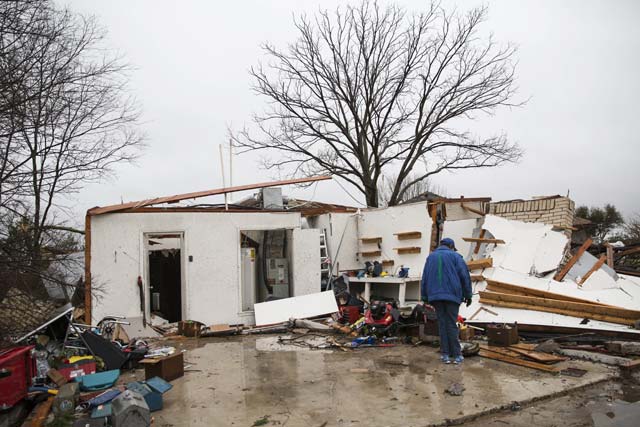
x,y
340,226
212,278
385,222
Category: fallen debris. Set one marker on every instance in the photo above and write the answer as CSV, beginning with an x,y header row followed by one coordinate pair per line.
x,y
277,311
455,389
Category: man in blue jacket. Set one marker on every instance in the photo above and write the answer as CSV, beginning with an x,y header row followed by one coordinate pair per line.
x,y
445,284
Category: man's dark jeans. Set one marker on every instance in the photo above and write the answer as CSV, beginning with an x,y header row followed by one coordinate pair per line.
x,y
447,312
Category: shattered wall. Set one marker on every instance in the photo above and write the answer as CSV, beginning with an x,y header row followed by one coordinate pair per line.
x,y
554,210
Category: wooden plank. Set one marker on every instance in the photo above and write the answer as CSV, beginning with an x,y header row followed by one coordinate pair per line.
x,y
573,313
470,209
371,254
479,264
567,305
538,356
408,235
477,248
524,346
596,266
369,240
408,250
87,270
387,262
515,361
609,255
508,288
41,413
477,278
560,275
627,252
500,350
198,194
483,240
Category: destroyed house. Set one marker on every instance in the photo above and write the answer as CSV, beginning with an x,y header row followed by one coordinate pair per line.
x,y
213,263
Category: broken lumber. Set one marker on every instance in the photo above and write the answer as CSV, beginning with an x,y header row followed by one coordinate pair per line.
x,y
478,264
581,311
470,209
627,252
595,267
560,275
508,288
483,240
477,248
515,361
477,278
538,356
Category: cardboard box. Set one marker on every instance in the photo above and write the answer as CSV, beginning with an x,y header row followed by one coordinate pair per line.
x,y
168,368
189,328
503,334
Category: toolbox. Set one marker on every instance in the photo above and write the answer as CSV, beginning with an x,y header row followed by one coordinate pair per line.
x,y
78,369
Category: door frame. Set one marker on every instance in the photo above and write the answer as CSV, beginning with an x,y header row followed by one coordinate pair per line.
x,y
144,273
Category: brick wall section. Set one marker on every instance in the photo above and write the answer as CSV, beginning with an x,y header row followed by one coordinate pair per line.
x,y
556,211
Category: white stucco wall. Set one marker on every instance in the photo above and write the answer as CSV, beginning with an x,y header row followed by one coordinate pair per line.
x,y
211,282
340,226
384,222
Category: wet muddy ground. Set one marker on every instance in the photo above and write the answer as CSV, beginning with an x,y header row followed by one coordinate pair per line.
x,y
246,381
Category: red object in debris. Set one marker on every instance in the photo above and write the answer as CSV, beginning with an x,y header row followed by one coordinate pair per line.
x,y
351,313
17,368
77,369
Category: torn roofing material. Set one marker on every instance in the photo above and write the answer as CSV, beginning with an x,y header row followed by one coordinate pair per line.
x,y
194,195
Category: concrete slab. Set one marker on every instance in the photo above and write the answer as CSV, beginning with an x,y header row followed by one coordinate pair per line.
x,y
232,382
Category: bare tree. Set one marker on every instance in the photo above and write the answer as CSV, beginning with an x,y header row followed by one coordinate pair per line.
x,y
65,119
419,190
369,89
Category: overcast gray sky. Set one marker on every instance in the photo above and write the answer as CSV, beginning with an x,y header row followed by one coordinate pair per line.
x,y
579,61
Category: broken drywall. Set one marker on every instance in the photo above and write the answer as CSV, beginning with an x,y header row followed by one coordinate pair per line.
x,y
457,230
529,248
302,307
584,264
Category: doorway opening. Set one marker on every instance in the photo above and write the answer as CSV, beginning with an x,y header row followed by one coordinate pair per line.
x,y
164,261
265,260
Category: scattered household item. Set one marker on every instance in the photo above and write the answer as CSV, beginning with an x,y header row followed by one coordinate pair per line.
x,y
189,328
98,381
65,401
17,368
78,368
130,410
168,367
112,355
502,334
152,391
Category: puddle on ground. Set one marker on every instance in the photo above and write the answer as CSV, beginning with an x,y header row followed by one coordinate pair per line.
x,y
618,413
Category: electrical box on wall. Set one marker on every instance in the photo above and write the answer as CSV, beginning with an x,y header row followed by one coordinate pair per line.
x,y
278,276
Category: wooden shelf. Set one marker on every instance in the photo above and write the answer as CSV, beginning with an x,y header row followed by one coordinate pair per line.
x,y
387,262
479,264
369,240
408,250
371,254
483,240
408,235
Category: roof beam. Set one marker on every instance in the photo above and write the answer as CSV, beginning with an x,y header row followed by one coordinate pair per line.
x,y
195,195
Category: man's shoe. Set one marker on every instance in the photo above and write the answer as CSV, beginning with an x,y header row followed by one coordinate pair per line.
x,y
458,360
445,359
